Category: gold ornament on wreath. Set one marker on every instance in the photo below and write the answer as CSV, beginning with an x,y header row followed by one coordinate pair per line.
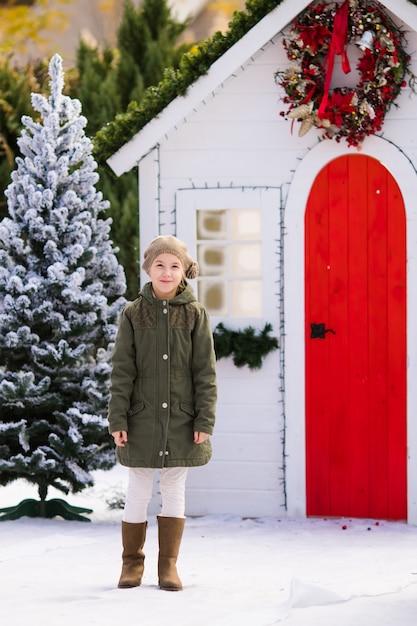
x,y
316,36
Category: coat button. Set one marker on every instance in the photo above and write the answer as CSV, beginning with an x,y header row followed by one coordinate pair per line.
x,y
165,311
161,453
165,356
166,452
164,405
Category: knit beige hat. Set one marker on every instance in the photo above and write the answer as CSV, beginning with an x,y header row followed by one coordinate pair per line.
x,y
168,244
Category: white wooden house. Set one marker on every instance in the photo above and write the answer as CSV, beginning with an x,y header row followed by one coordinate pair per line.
x,y
224,171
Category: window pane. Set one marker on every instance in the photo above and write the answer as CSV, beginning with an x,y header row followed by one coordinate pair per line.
x,y
212,260
245,224
212,294
211,224
247,298
246,260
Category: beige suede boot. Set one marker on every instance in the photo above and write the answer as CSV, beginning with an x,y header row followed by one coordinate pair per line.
x,y
133,538
170,531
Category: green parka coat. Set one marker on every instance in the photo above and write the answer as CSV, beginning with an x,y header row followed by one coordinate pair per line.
x,y
163,382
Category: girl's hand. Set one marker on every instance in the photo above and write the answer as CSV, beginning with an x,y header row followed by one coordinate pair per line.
x,y
200,437
120,438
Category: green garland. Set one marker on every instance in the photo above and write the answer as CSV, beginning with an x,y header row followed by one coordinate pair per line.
x,y
246,346
176,82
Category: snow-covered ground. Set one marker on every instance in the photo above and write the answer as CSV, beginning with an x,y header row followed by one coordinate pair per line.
x,y
235,572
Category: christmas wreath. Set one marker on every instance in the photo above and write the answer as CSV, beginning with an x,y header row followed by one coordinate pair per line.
x,y
319,33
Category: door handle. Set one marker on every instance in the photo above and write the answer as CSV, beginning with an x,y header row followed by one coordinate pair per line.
x,y
318,331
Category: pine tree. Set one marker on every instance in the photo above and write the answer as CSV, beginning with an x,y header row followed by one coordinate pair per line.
x,y
61,290
147,39
95,85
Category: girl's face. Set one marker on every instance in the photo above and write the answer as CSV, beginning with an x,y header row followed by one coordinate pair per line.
x,y
166,274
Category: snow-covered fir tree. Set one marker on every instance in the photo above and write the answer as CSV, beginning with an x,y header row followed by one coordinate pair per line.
x,y
61,291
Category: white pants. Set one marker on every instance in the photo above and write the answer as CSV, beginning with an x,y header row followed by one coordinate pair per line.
x,y
139,493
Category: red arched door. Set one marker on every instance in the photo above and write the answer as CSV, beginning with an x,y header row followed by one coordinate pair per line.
x,y
355,285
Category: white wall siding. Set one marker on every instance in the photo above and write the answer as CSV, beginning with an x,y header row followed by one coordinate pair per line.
x,y
245,474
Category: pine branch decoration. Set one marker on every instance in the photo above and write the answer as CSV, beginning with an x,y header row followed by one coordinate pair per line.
x,y
247,347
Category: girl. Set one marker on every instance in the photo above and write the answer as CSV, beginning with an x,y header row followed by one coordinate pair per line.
x,y
162,403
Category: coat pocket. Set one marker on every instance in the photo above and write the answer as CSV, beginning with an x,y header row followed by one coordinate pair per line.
x,y
187,408
136,408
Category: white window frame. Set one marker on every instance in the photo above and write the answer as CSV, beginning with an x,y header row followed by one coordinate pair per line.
x,y
189,201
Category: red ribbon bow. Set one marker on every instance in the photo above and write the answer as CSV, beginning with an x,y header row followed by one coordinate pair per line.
x,y
338,46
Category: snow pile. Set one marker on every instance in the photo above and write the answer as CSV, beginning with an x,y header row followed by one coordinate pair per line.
x,y
236,572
